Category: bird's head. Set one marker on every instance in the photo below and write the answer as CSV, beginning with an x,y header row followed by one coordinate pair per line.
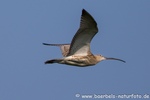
x,y
101,58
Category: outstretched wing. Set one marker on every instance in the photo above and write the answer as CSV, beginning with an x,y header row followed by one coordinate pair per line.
x,y
63,47
80,44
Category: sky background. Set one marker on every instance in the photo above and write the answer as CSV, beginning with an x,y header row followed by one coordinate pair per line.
x,y
124,32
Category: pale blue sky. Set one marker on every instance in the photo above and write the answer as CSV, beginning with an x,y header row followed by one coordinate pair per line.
x,y
124,32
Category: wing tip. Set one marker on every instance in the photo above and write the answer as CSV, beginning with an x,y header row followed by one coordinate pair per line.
x,y
84,11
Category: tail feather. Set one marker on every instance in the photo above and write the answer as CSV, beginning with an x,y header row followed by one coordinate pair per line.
x,y
52,61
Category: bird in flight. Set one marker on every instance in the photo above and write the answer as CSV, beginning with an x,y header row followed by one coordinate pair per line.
x,y
78,52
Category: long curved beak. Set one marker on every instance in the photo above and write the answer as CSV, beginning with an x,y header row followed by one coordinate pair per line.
x,y
107,58
46,44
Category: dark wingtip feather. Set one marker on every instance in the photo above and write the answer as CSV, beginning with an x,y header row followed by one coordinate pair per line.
x,y
84,12
49,61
